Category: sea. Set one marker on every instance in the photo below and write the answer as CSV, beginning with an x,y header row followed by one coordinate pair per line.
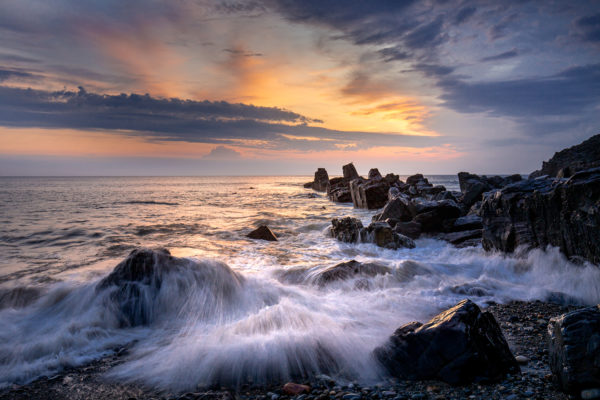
x,y
241,310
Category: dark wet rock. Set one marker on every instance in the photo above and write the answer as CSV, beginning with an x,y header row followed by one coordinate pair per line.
x,y
393,180
321,180
435,216
350,269
349,172
374,174
308,185
262,233
141,265
544,211
432,190
340,194
574,349
414,179
346,229
567,162
398,208
457,238
467,222
474,186
458,346
475,209
412,229
445,195
383,235
369,194
295,389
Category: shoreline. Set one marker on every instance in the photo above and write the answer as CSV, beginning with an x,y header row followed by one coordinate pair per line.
x,y
523,325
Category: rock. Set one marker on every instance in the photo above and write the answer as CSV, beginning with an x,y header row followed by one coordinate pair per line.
x,y
583,156
411,229
369,194
445,195
398,208
473,186
413,179
382,234
590,394
468,222
574,349
457,238
262,233
458,346
346,229
432,215
321,180
294,389
340,195
544,211
349,172
350,269
522,359
374,174
141,265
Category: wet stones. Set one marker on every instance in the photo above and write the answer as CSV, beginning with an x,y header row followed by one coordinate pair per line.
x,y
262,233
574,349
350,269
346,229
459,345
351,230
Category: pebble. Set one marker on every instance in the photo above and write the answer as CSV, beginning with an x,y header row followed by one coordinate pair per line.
x,y
522,359
351,396
389,393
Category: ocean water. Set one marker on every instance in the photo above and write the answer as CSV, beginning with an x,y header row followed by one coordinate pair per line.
x,y
238,310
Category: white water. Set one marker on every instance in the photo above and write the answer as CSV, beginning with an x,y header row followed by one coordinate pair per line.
x,y
263,319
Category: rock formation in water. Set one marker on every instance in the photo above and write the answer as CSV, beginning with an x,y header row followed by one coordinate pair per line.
x,y
458,346
350,269
574,349
351,230
566,162
262,233
544,211
320,182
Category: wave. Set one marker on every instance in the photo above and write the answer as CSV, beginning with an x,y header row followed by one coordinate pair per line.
x,y
199,322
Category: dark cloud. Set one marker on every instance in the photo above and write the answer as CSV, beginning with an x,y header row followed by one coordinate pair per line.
x,y
222,153
243,53
502,56
7,74
174,119
393,54
570,92
433,70
589,28
464,14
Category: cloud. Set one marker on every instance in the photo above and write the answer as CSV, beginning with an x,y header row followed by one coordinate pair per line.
x,y
9,74
174,119
502,56
222,153
588,28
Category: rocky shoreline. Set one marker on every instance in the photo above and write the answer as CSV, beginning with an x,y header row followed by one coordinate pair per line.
x,y
523,325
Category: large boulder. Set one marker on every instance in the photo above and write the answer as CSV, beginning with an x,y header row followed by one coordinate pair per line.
x,y
566,162
435,216
349,172
369,194
458,346
574,349
398,208
383,235
321,180
262,233
350,269
474,186
346,229
543,211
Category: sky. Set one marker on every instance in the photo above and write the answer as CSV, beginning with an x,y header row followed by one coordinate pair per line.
x,y
277,87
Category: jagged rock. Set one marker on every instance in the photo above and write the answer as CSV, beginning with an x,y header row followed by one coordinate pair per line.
x,y
574,349
369,194
468,222
414,179
473,186
585,155
141,265
398,208
382,234
458,346
412,229
393,179
346,229
350,269
434,216
340,195
321,180
262,233
457,238
374,174
445,195
544,211
349,172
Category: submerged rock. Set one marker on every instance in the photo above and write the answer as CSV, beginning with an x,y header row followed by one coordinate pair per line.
x,y
350,269
346,229
544,211
262,233
574,349
457,346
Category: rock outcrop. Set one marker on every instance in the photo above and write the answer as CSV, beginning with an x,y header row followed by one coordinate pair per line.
x,y
473,186
544,211
350,269
351,230
321,180
262,233
574,349
566,162
458,346
369,193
